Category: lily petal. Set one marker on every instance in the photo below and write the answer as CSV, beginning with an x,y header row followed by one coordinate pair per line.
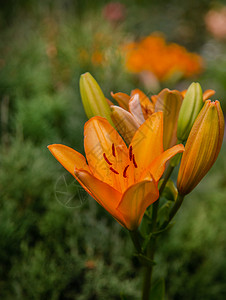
x,y
136,109
69,159
147,143
124,122
146,105
157,167
207,94
135,200
103,193
169,102
122,99
106,152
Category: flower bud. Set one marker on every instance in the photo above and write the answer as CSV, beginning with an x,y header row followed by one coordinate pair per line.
x,y
191,106
202,147
93,99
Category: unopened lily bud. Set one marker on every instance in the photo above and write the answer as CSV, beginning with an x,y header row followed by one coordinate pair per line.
x,y
202,147
93,99
191,106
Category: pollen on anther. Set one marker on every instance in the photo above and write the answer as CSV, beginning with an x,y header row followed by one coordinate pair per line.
x,y
134,162
130,153
106,159
114,171
113,150
124,172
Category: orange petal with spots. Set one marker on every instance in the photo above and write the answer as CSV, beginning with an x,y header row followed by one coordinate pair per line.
x,y
106,152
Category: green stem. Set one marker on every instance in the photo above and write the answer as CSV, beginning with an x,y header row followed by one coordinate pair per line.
x,y
174,209
150,254
166,178
152,245
135,237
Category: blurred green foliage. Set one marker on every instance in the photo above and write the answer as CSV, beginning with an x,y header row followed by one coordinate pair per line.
x,y
57,245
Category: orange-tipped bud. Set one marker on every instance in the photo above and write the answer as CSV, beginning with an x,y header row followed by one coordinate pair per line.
x,y
202,147
93,99
191,106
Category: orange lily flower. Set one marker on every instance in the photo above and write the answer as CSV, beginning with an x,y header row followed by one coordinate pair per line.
x,y
123,180
141,107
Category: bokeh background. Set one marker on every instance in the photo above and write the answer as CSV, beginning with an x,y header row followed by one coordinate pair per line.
x,y
55,241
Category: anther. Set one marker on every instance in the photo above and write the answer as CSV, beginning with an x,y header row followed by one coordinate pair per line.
x,y
124,172
106,159
114,171
113,150
134,162
130,153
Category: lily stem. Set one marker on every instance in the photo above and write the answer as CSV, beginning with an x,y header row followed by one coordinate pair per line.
x,y
135,237
174,209
150,253
151,246
169,171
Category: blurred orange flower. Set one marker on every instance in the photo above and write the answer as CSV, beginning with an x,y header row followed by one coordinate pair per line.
x,y
163,60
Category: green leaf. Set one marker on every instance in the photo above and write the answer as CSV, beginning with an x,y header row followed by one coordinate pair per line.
x,y
158,290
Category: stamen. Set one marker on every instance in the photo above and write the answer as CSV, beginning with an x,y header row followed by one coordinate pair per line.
x,y
130,153
113,150
114,171
124,172
134,162
106,159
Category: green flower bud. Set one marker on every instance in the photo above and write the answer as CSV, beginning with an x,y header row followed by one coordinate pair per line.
x,y
93,99
191,106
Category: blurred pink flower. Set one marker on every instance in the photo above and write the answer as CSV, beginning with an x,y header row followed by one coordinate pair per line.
x,y
216,22
114,12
